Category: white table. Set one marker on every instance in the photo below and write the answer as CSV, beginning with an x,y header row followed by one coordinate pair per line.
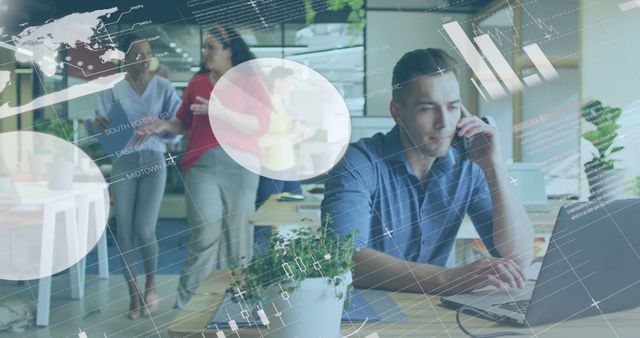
x,y
75,205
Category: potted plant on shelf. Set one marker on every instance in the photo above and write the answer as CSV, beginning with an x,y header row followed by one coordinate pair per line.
x,y
605,181
301,282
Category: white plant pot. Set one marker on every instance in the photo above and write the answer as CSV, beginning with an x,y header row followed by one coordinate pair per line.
x,y
606,185
313,309
60,175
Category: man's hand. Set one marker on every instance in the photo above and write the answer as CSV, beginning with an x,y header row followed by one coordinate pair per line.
x,y
484,149
490,271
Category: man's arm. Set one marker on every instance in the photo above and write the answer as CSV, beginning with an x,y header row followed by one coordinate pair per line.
x,y
512,230
377,270
348,201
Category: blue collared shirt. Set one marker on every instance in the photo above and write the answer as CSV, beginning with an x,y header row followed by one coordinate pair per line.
x,y
374,191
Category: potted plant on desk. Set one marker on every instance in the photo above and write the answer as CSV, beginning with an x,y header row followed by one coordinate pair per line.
x,y
300,283
605,181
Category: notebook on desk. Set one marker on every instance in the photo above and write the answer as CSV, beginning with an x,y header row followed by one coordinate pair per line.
x,y
369,305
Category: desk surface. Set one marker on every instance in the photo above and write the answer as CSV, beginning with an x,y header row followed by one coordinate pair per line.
x,y
275,213
425,319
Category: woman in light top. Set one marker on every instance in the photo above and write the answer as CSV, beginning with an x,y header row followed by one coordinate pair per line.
x,y
220,193
139,169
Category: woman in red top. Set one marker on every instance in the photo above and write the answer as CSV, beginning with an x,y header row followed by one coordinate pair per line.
x,y
220,193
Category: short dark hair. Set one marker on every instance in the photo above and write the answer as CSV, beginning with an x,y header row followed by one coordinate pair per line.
x,y
428,61
128,40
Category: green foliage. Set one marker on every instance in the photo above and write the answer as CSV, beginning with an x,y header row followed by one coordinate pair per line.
x,y
309,12
61,128
93,148
356,17
637,186
606,132
309,253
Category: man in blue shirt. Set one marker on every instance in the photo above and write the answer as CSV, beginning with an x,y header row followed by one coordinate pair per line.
x,y
406,192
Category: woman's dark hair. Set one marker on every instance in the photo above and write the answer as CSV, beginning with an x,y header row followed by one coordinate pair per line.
x,y
230,38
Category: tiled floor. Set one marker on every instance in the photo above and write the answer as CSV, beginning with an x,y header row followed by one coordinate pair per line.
x,y
103,311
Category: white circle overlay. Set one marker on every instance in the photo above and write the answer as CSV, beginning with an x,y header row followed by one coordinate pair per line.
x,y
53,205
279,119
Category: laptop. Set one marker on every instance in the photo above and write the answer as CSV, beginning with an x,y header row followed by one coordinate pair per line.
x,y
591,267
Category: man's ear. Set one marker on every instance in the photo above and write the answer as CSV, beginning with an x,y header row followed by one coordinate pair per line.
x,y
394,110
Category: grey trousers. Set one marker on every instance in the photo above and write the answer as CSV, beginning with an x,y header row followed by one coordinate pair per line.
x,y
140,181
220,200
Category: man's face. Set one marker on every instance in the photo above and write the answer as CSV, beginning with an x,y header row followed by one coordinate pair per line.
x,y
428,112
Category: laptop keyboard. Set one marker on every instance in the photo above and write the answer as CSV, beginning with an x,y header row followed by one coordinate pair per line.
x,y
517,306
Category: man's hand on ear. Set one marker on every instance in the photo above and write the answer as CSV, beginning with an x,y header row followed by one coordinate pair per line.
x,y
482,139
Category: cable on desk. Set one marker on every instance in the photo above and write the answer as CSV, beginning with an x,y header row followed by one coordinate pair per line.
x,y
492,335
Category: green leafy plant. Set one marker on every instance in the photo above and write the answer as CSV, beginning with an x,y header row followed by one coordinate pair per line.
x,y
61,128
356,17
606,132
637,187
309,253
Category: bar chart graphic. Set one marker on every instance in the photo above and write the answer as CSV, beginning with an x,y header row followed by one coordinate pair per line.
x,y
494,83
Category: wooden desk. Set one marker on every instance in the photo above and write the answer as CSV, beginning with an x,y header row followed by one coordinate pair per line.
x,y
275,213
425,318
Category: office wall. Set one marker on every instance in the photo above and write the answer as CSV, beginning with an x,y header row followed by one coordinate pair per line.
x,y
611,73
389,35
611,53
